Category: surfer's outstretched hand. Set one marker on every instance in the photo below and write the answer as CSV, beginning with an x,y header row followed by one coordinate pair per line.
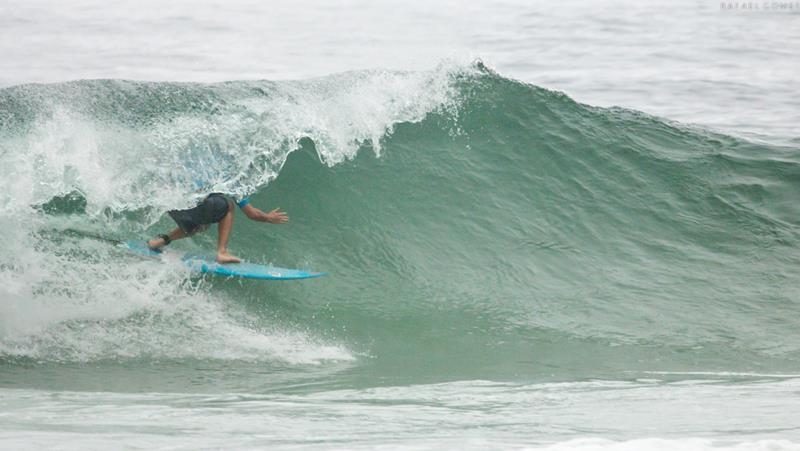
x,y
277,216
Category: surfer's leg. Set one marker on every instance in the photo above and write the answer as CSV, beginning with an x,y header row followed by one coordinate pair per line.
x,y
225,227
159,241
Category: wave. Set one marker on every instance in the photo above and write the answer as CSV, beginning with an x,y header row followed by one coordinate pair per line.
x,y
470,223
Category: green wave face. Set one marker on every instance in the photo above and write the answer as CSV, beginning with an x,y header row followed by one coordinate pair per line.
x,y
471,225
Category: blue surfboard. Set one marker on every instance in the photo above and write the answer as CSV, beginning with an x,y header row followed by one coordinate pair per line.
x,y
206,264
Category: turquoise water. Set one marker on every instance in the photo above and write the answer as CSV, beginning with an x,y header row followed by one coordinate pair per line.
x,y
508,268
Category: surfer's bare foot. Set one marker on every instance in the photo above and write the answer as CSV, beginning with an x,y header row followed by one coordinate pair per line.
x,y
156,243
226,257
162,240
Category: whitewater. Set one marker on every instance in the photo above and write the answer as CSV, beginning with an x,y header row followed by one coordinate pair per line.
x,y
517,258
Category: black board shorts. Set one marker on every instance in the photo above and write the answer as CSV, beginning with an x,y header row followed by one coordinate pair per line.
x,y
210,211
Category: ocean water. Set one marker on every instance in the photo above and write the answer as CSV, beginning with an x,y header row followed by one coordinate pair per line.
x,y
559,226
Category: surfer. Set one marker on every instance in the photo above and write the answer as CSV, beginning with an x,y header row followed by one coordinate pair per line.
x,y
215,208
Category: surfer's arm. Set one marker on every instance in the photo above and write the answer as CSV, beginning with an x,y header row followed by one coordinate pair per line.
x,y
275,216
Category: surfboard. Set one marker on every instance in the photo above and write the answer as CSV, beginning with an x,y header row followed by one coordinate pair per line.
x,y
206,264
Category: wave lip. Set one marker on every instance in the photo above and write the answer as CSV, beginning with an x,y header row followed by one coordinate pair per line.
x,y
127,145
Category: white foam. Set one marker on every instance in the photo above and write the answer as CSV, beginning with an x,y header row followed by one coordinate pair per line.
x,y
236,143
660,444
85,301
78,301
464,415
